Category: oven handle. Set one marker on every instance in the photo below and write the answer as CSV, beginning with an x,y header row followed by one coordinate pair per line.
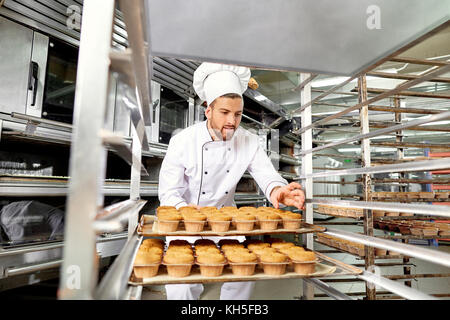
x,y
33,80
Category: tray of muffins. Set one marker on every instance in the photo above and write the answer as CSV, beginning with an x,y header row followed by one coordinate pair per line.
x,y
210,221
229,260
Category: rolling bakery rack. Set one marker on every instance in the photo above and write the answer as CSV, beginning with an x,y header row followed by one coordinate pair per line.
x,y
135,66
148,227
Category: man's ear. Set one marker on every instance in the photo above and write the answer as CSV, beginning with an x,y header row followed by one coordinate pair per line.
x,y
208,112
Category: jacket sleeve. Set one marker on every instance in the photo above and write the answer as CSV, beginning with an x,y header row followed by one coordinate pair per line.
x,y
172,184
265,175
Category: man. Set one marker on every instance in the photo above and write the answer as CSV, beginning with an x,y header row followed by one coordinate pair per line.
x,y
204,162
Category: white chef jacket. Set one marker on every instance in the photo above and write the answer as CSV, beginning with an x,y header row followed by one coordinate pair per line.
x,y
199,170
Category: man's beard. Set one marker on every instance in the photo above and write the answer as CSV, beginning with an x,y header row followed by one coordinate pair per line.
x,y
226,133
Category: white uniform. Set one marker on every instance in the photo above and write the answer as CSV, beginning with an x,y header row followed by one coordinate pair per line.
x,y
204,172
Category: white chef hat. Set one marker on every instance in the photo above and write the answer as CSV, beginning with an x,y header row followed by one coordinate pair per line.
x,y
212,80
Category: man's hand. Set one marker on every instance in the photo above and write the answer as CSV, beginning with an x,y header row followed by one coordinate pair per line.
x,y
194,206
290,195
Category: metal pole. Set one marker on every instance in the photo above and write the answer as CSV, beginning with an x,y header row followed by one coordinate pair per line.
x,y
307,168
78,275
135,183
365,157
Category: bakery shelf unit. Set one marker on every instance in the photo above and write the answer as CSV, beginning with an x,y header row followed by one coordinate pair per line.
x,y
135,66
400,212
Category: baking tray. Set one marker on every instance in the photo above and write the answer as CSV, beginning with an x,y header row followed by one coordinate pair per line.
x,y
148,227
326,267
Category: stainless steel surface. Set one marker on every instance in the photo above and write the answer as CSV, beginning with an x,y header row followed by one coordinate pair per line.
x,y
135,21
403,86
422,209
425,165
376,133
38,56
179,20
330,291
16,42
41,120
14,271
395,287
86,150
306,169
115,281
438,257
133,217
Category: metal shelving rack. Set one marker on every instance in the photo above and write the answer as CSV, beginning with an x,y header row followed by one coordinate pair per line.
x,y
364,105
88,160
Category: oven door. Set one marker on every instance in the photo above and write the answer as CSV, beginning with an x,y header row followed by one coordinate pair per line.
x,y
23,58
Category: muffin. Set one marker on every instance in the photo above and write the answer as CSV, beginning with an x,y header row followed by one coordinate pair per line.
x,y
179,243
194,221
165,208
242,263
268,221
168,220
187,209
204,242
228,241
178,264
252,246
273,263
219,222
146,264
303,261
244,222
153,243
280,245
263,250
288,249
211,264
291,220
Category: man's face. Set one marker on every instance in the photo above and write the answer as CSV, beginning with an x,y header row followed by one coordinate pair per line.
x,y
225,116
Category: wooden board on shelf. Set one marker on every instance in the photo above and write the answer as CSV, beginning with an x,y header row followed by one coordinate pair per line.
x,y
325,267
148,227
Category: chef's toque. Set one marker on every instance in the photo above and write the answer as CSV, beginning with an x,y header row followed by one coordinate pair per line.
x,y
212,80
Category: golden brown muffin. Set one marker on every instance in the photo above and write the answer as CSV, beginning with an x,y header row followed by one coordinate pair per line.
x,y
206,250
144,258
194,221
179,242
178,264
263,250
151,250
219,222
302,256
228,241
187,209
273,263
304,262
146,264
242,257
291,221
274,257
244,222
280,245
253,246
168,221
268,221
211,258
227,246
211,265
153,242
242,263
288,249
165,208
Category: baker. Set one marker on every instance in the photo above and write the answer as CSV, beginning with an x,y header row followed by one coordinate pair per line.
x,y
205,161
